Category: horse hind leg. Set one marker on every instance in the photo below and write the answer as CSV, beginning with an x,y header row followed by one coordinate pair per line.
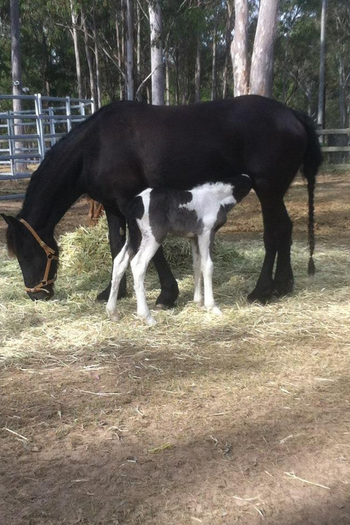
x,y
277,240
283,283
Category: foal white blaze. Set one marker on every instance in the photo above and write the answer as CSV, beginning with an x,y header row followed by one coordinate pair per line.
x,y
197,214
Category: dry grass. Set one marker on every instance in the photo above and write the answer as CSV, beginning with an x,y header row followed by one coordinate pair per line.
x,y
74,322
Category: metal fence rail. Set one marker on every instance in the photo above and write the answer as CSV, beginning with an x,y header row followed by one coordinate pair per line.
x,y
26,136
335,145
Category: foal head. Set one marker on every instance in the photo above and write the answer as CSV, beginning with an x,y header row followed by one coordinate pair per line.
x,y
38,260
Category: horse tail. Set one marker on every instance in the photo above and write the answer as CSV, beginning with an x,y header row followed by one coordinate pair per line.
x,y
311,163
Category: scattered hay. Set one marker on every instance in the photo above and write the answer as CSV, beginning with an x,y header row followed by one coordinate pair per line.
x,y
74,325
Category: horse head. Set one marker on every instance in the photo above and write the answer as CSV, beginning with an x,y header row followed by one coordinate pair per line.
x,y
38,259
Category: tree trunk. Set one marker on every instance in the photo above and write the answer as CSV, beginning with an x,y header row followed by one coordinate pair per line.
x,y
97,61
157,66
167,83
119,56
342,98
322,85
239,49
228,38
16,79
129,47
197,73
261,74
213,64
89,61
74,16
138,44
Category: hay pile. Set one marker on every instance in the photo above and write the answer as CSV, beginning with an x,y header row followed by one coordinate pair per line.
x,y
86,251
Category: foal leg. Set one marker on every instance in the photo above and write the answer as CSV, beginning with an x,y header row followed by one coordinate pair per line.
x,y
197,298
205,244
119,268
117,228
139,265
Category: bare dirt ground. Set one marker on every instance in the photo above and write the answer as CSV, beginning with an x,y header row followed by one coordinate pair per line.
x,y
220,425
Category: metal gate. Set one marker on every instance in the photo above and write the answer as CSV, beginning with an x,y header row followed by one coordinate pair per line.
x,y
335,144
26,136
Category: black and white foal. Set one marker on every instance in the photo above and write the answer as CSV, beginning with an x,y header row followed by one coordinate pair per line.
x,y
196,214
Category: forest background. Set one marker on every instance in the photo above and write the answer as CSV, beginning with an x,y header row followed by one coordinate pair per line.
x,y
83,48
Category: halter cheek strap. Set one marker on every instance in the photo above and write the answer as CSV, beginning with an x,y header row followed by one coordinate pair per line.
x,y
50,254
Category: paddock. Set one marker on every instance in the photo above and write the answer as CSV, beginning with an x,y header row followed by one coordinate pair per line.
x,y
242,418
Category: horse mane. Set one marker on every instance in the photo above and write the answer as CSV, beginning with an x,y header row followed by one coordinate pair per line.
x,y
58,154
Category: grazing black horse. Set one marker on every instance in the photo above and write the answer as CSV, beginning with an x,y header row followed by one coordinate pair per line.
x,y
126,147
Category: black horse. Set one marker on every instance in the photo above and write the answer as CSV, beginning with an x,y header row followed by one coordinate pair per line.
x,y
128,146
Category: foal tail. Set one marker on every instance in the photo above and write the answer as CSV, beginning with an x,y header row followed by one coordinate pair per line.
x,y
311,164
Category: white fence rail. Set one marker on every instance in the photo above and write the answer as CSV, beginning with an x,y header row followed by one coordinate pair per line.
x,y
26,136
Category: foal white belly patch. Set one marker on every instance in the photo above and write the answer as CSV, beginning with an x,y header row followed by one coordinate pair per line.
x,y
208,199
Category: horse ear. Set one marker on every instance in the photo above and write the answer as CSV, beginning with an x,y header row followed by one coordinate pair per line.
x,y
9,219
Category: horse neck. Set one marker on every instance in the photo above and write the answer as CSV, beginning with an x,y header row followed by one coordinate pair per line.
x,y
53,189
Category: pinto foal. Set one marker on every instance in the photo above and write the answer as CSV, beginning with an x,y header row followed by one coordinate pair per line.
x,y
196,214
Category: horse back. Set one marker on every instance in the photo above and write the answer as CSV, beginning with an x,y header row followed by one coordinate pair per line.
x,y
137,145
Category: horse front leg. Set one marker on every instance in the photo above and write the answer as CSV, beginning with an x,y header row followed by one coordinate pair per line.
x,y
169,288
117,231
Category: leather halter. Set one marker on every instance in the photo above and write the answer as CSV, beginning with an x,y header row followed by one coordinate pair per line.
x,y
50,254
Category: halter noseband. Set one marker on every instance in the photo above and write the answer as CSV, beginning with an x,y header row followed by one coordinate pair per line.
x,y
50,254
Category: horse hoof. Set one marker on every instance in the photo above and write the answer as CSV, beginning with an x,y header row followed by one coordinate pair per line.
x,y
283,289
114,317
167,298
216,311
256,297
160,306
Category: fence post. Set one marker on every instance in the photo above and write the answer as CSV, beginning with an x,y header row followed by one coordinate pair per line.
x,y
39,124
52,125
68,113
10,132
82,109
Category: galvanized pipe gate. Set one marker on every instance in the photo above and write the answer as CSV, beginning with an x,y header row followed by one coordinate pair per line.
x,y
26,136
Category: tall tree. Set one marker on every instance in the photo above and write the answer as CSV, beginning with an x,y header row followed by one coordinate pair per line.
x,y
74,32
213,60
16,62
97,58
239,49
129,46
157,64
321,88
261,74
89,59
